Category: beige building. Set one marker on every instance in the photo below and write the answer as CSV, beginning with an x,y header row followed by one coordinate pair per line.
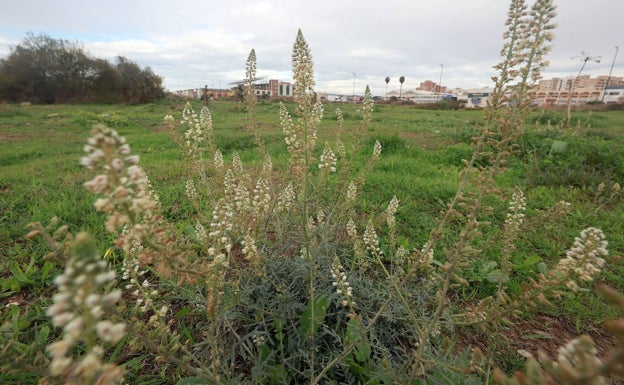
x,y
275,89
581,90
431,86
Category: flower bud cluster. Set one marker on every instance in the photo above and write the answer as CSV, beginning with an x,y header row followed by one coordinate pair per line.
x,y
371,241
200,232
199,129
133,273
328,159
220,228
262,197
341,150
391,211
604,195
566,354
80,308
138,286
315,121
191,191
425,256
340,282
303,72
267,165
293,142
249,248
259,339
351,192
286,198
584,260
515,215
339,117
367,106
351,229
320,217
401,255
124,186
376,150
218,160
237,165
236,191
574,360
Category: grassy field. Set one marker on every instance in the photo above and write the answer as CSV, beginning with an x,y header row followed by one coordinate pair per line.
x,y
40,178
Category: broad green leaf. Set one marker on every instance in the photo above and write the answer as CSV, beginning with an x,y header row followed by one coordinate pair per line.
x,y
278,324
43,335
313,316
190,231
356,336
497,276
558,147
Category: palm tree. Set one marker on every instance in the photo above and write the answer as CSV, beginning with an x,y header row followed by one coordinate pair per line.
x,y
401,80
387,81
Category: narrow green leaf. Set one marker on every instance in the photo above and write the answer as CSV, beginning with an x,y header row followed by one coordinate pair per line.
x,y
182,312
45,271
530,261
19,274
194,381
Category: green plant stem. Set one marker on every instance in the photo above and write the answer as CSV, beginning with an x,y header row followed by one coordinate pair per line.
x,y
349,348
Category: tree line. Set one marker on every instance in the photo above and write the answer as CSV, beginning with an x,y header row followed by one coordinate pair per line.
x,y
42,69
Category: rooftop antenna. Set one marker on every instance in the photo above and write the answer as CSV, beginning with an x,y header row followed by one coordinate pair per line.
x,y
584,57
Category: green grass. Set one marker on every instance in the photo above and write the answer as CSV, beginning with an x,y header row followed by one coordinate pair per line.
x,y
40,147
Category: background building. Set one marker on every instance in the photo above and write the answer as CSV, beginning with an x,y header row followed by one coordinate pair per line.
x,y
579,90
614,94
268,89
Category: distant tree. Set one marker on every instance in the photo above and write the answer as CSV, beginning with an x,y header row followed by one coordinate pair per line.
x,y
239,94
387,81
137,85
46,70
106,84
401,80
34,68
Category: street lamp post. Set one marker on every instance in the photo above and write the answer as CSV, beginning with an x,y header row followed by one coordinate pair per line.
x,y
610,72
353,95
440,84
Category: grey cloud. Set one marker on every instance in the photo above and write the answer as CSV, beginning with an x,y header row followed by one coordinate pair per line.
x,y
194,42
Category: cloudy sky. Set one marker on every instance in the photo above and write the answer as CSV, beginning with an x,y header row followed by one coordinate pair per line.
x,y
206,42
